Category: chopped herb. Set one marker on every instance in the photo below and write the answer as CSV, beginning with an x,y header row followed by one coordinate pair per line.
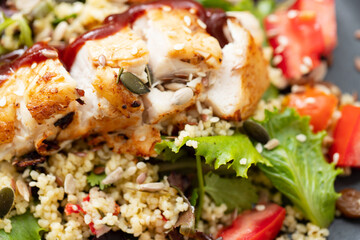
x,y
96,179
59,20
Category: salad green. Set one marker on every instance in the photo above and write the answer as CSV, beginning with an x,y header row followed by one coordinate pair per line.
x,y
24,227
299,169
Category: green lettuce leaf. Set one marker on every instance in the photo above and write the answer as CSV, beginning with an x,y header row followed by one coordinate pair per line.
x,y
236,193
299,169
95,180
222,150
24,227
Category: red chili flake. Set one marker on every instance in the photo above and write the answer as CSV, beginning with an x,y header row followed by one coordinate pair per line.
x,y
73,208
117,210
164,218
92,228
80,92
86,199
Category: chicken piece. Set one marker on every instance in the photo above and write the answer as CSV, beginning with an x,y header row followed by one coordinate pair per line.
x,y
160,105
179,47
242,78
250,23
33,100
178,43
109,105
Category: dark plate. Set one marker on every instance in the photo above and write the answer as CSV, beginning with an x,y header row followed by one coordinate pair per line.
x,y
344,74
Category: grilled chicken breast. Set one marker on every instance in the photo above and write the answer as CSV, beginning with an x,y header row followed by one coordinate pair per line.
x,y
34,98
43,106
242,78
180,51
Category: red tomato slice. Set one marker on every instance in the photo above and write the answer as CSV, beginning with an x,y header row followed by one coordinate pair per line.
x,y
326,16
316,104
297,40
256,225
347,138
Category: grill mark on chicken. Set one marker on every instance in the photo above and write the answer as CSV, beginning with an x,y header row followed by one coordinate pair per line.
x,y
30,159
65,121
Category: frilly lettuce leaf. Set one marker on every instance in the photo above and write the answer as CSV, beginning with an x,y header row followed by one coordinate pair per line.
x,y
221,150
24,227
299,169
236,193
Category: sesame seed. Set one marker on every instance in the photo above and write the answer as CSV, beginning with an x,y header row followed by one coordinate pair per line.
x,y
259,148
166,8
186,29
243,161
33,65
102,60
179,46
310,100
201,24
187,20
272,33
279,49
134,51
273,143
307,61
3,101
272,18
49,53
301,137
277,59
192,10
304,69
336,158
298,89
214,119
260,207
292,14
282,40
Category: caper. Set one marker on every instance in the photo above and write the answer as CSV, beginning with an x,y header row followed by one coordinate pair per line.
x,y
133,83
7,197
256,131
349,203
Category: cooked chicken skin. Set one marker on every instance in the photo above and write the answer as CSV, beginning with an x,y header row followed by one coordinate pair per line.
x,y
242,78
34,98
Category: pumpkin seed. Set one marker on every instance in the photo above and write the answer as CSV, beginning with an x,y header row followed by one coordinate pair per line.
x,y
121,70
149,75
133,83
7,197
256,131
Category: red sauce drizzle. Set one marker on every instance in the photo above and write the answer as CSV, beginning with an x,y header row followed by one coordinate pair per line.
x,y
30,56
214,19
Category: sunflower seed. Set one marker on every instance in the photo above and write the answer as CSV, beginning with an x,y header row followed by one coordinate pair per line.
x,y
256,131
141,178
133,83
174,86
152,187
69,184
23,189
99,170
149,75
7,197
49,53
182,96
102,60
113,176
273,143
